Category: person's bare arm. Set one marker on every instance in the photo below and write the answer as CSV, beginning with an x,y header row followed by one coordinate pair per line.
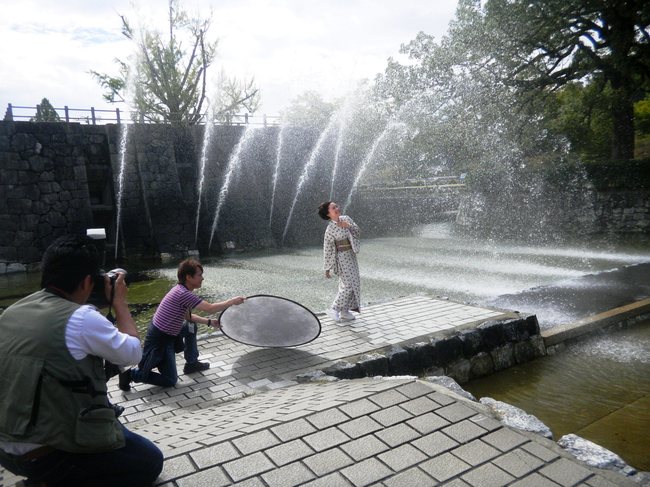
x,y
220,306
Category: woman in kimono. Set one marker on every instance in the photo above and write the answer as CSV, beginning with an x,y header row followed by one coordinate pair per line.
x,y
340,248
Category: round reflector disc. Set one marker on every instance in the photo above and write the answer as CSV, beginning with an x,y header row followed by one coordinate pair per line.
x,y
270,321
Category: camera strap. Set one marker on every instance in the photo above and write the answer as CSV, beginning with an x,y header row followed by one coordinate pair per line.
x,y
110,316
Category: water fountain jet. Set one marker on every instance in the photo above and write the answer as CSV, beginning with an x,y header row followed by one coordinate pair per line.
x,y
233,163
392,125
124,134
304,176
278,159
207,136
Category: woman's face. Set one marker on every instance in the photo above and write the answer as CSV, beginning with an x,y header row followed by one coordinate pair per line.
x,y
333,211
195,281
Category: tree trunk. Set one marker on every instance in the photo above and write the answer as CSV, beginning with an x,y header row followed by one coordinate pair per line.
x,y
623,118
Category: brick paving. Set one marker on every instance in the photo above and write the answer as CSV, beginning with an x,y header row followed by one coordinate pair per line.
x,y
239,370
247,421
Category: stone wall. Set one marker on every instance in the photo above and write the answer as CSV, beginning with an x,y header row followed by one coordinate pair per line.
x,y
623,211
469,354
59,178
44,189
608,211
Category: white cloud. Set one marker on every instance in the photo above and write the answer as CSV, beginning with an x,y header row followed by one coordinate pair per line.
x,y
289,46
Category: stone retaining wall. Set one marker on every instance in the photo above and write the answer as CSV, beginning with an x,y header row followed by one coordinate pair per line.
x,y
469,354
44,189
58,178
549,211
623,211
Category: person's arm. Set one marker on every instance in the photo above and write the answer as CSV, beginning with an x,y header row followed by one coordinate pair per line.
x,y
216,307
352,227
354,233
123,319
88,332
202,319
329,253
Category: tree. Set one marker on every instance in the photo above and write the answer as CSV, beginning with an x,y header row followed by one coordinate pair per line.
x,y
308,110
642,116
45,112
545,45
169,83
461,117
582,114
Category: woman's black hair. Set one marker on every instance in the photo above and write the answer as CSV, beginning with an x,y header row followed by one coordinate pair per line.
x,y
323,210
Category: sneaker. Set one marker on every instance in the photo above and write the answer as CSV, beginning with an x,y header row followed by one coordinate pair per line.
x,y
347,316
125,380
196,367
334,314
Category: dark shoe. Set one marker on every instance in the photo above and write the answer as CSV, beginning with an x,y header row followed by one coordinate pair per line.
x,y
118,410
196,367
125,380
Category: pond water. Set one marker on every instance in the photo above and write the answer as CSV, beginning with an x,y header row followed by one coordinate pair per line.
x,y
598,389
432,259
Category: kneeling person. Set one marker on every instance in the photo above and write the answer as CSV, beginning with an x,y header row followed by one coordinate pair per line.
x,y
169,324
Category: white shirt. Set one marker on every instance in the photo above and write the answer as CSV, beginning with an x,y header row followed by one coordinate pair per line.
x,y
88,332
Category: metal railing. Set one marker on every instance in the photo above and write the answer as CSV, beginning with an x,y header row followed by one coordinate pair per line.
x,y
94,116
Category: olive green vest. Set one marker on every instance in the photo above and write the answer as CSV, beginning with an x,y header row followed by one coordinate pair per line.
x,y
46,395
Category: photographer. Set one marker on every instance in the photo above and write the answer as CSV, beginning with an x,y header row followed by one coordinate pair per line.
x,y
56,424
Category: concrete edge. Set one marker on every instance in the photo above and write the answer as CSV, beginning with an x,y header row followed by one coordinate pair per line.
x,y
561,333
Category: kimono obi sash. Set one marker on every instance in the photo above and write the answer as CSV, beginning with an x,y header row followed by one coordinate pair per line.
x,y
343,245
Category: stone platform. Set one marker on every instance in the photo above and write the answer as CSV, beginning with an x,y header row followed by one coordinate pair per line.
x,y
247,420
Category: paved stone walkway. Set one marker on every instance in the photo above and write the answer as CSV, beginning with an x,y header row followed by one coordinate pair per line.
x,y
382,432
246,421
238,370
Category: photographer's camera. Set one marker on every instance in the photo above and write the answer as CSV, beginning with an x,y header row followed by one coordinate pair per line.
x,y
98,295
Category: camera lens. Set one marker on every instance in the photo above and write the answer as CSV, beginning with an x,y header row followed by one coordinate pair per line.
x,y
98,296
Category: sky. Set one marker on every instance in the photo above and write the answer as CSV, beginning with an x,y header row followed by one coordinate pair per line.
x,y
47,47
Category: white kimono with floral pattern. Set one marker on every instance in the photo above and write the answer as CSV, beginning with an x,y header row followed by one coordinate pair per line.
x,y
344,264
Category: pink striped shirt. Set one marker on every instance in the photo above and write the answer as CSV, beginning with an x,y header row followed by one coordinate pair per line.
x,y
173,308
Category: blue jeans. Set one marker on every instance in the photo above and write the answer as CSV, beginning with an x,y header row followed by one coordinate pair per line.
x,y
191,351
137,464
159,352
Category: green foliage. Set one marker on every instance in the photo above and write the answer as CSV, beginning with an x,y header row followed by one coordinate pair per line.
x,y
583,115
308,110
167,82
45,112
633,174
549,44
642,116
513,79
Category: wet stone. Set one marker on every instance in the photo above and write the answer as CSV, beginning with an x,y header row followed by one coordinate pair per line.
x,y
446,350
472,342
398,361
